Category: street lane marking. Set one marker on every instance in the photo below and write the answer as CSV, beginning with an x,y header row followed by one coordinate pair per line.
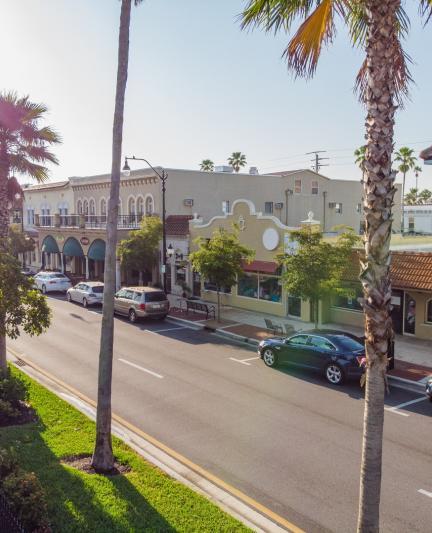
x,y
141,368
395,409
243,361
176,455
252,358
425,492
391,410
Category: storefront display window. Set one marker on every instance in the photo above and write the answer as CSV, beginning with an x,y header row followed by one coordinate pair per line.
x,y
260,286
349,302
270,288
294,306
248,285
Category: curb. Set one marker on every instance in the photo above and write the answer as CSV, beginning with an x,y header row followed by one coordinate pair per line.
x,y
407,384
231,500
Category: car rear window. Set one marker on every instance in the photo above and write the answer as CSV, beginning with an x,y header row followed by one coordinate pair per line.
x,y
52,276
97,290
347,343
155,297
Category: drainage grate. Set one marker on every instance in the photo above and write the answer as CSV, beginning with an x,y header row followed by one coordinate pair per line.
x,y
20,362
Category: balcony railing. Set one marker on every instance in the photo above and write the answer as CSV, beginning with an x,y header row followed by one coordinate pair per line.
x,y
86,221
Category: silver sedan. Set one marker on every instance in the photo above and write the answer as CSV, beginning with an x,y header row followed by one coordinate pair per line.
x,y
86,293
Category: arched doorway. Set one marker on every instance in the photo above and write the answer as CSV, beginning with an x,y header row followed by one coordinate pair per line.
x,y
50,254
96,257
74,257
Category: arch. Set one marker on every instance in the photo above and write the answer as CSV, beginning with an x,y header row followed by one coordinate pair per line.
x,y
103,206
131,205
79,207
72,248
86,207
149,204
97,250
49,245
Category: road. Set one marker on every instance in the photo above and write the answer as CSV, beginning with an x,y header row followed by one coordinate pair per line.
x,y
285,438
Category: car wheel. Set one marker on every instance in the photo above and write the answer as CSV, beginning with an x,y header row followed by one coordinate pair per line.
x,y
269,357
68,297
334,374
84,302
132,316
43,289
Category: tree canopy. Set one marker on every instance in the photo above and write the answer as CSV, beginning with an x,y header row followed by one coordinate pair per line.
x,y
140,250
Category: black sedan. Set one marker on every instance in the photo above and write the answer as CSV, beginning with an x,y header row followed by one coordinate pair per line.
x,y
336,354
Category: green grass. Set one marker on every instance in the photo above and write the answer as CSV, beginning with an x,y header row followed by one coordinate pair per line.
x,y
144,499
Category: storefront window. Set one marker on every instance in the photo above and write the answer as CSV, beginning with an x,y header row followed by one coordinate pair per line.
x,y
410,314
294,306
248,285
211,286
270,288
350,302
180,276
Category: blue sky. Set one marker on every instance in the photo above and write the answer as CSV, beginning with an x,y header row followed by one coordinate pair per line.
x,y
198,87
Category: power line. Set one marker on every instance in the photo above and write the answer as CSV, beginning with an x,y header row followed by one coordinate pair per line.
x,y
317,159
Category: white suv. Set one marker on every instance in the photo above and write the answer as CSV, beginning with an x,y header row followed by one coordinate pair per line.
x,y
86,293
51,281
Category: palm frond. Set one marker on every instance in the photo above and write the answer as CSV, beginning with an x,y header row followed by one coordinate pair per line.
x,y
304,49
425,9
35,171
38,154
273,15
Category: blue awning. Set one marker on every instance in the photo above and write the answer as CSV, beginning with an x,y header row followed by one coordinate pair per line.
x,y
97,250
72,248
49,245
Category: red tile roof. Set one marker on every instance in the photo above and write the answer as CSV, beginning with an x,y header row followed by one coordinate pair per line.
x,y
178,224
408,270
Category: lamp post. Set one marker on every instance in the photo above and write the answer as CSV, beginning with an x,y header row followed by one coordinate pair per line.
x,y
163,177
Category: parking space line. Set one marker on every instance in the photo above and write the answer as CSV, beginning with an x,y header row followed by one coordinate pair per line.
x,y
163,330
243,361
252,358
141,368
395,408
425,492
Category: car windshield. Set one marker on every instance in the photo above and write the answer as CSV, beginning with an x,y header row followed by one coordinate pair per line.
x,y
98,289
347,343
155,297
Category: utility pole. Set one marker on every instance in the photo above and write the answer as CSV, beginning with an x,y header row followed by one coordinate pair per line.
x,y
317,160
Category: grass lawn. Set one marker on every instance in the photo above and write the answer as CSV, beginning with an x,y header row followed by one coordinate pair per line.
x,y
144,499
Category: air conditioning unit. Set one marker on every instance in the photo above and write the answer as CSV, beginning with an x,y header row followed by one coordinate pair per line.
x,y
188,202
332,205
278,205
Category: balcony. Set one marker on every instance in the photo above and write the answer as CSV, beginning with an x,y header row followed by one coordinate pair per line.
x,y
86,221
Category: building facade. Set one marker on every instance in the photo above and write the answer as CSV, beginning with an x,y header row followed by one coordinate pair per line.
x,y
418,218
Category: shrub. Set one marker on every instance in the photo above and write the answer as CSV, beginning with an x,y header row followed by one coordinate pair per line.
x,y
8,462
7,411
12,389
26,498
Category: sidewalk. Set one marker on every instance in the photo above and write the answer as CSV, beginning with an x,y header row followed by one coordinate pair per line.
x,y
413,357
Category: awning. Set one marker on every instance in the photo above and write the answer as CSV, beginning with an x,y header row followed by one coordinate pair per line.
x,y
97,250
49,245
72,248
267,267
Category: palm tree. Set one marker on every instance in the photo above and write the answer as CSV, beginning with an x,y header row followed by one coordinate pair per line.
x,y
103,459
24,149
411,197
377,26
360,157
405,156
417,170
237,160
425,197
207,165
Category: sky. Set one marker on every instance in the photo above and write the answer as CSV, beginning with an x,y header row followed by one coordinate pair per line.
x,y
198,87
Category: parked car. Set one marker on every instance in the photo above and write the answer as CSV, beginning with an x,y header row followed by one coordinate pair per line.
x,y
141,302
28,272
429,388
51,282
86,293
336,354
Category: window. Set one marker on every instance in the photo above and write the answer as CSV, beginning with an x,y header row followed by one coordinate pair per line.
x,y
155,297
429,311
299,340
30,216
180,273
350,302
103,209
320,342
225,206
79,207
338,208
268,208
261,286
270,288
140,206
85,209
131,206
248,285
314,187
92,208
358,208
149,206
294,306
210,285
297,186
411,223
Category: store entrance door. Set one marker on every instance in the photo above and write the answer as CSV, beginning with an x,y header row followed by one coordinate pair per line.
x,y
397,310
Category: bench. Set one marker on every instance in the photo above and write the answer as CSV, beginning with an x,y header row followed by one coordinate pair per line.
x,y
201,307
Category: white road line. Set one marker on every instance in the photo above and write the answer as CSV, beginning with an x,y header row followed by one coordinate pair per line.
x,y
141,368
252,358
391,410
243,361
425,492
422,399
162,330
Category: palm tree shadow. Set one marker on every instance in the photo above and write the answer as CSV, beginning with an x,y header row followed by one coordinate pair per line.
x,y
109,504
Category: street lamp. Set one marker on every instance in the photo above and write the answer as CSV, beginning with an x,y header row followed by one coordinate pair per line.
x,y
163,177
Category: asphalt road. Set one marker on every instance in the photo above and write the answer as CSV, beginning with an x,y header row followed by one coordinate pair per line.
x,y
285,438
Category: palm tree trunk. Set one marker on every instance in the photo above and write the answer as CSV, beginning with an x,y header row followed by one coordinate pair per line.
x,y
403,204
3,360
103,459
218,305
379,192
4,230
